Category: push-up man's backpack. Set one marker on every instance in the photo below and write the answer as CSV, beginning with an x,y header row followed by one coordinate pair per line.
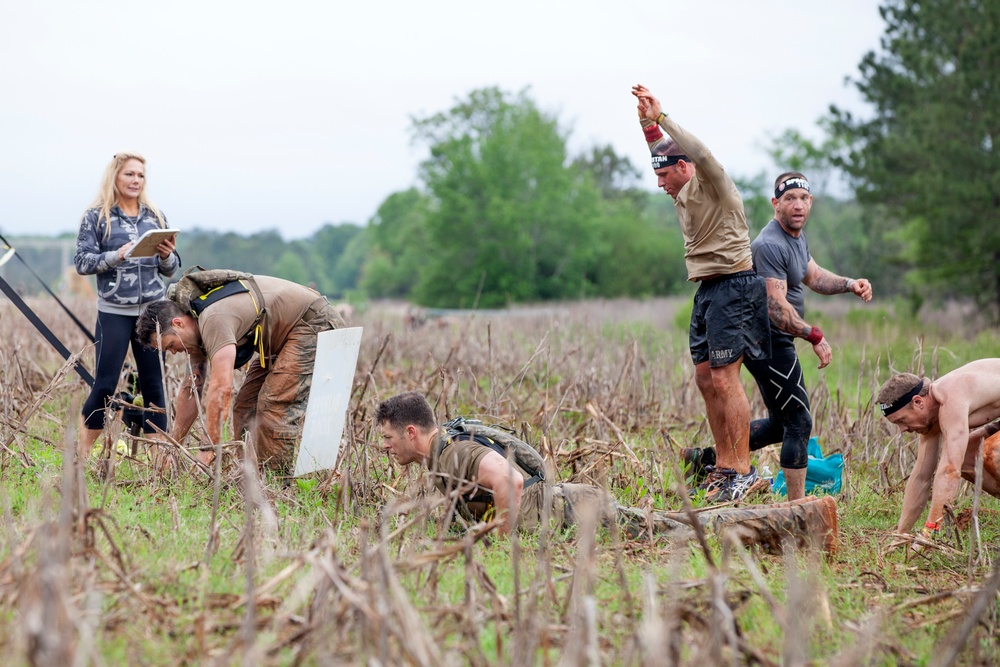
x,y
503,442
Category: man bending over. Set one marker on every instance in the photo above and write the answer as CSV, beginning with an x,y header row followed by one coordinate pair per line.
x,y
953,415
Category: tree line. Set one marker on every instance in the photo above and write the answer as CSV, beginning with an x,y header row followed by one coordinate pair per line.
x,y
503,213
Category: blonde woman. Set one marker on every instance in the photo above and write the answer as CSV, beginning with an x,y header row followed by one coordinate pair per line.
x,y
122,213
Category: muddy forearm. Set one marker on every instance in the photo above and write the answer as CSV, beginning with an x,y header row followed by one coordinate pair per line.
x,y
945,488
914,501
217,409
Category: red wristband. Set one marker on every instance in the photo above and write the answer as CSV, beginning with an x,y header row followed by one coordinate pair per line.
x,y
930,525
653,133
815,336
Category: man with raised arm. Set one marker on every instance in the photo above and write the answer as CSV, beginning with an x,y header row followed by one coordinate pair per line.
x,y
729,319
781,256
955,418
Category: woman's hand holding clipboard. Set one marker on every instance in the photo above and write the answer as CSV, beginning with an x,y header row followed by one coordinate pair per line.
x,y
149,243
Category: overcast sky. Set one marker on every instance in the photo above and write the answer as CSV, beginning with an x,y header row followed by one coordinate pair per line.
x,y
288,115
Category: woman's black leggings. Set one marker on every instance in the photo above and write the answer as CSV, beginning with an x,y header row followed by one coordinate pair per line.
x,y
114,334
788,418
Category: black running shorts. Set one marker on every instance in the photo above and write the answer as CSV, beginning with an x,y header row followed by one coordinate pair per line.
x,y
729,320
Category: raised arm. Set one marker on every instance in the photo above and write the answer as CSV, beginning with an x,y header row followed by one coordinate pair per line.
x,y
651,113
505,483
649,109
822,281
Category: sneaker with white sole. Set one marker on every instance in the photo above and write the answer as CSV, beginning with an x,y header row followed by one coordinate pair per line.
x,y
725,485
709,483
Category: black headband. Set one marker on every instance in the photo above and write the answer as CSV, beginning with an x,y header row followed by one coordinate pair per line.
x,y
790,184
902,401
661,161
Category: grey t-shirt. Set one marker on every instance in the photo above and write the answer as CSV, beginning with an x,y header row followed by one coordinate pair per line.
x,y
776,254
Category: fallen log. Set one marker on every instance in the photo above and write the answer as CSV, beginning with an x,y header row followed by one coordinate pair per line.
x,y
808,522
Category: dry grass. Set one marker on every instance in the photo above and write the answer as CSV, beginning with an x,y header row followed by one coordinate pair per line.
x,y
364,566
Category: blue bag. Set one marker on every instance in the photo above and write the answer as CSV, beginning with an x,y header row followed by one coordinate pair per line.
x,y
823,473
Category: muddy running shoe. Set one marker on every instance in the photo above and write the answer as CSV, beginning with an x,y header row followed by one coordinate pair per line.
x,y
725,485
710,483
697,462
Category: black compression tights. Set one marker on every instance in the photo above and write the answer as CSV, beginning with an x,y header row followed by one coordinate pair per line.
x,y
788,418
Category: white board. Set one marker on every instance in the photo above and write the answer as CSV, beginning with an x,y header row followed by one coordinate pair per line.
x,y
326,411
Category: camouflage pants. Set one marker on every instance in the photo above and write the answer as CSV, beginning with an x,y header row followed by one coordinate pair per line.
x,y
814,522
271,404
567,503
572,503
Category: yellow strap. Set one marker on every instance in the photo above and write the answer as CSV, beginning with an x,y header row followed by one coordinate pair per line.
x,y
258,340
214,289
252,297
258,331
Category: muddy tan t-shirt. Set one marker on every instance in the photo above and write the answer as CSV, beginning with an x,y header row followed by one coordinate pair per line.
x,y
226,321
458,463
710,211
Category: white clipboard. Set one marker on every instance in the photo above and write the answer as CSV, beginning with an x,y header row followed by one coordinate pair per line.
x,y
145,245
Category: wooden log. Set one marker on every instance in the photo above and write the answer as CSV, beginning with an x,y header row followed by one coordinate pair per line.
x,y
808,522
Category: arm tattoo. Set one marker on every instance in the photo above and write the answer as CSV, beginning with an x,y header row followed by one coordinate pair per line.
x,y
781,313
826,282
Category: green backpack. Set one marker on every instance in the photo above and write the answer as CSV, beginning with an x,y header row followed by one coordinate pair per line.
x,y
502,441
199,288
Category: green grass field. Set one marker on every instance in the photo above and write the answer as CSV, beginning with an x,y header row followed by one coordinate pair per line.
x,y
360,567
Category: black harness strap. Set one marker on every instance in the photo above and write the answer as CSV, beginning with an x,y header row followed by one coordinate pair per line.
x,y
200,303
44,330
254,342
454,435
